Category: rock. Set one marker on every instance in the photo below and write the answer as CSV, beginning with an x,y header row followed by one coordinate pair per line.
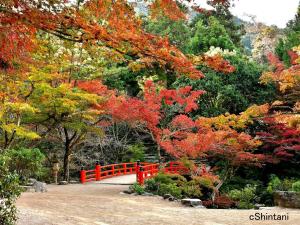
x,y
200,207
147,194
267,208
129,191
31,181
167,196
193,202
40,186
172,199
74,182
63,182
287,199
27,188
258,206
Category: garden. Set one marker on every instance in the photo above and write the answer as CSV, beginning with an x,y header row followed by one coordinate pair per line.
x,y
107,82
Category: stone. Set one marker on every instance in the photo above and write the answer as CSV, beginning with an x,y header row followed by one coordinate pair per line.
x,y
167,196
31,182
147,194
287,199
258,206
129,191
27,188
74,182
200,207
40,186
172,199
63,182
192,202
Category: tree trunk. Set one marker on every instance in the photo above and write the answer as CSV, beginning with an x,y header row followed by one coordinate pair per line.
x,y
66,174
159,155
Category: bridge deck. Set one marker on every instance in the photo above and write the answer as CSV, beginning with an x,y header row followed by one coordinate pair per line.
x,y
122,180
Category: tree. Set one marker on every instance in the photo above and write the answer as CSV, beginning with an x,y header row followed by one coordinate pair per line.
x,y
265,43
178,31
206,35
279,131
233,26
120,33
291,39
229,92
154,112
14,106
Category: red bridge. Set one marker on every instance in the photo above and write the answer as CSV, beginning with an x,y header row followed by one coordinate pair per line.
x,y
143,171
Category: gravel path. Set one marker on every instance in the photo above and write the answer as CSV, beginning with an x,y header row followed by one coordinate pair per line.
x,y
101,204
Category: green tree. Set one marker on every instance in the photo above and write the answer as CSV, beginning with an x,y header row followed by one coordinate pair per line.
x,y
178,31
211,34
291,39
232,92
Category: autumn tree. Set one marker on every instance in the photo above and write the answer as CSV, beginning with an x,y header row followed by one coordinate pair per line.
x,y
291,38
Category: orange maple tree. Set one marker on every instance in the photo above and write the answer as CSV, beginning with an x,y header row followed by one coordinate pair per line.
x,y
108,23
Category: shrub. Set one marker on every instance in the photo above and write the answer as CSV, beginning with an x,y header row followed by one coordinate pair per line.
x,y
162,178
191,189
206,185
151,185
9,191
296,186
137,188
245,197
171,189
178,179
276,184
26,162
223,202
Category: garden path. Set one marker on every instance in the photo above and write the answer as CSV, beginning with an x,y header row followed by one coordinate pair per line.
x,y
100,203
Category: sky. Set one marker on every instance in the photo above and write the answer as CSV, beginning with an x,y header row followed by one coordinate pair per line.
x,y
270,12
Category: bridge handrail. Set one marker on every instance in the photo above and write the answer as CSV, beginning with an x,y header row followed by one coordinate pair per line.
x,y
143,170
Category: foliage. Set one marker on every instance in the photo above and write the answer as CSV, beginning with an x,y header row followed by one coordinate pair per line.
x,y
232,92
9,191
275,184
162,178
212,34
245,197
192,189
296,186
265,43
137,188
151,185
286,79
280,141
171,189
178,186
135,152
177,31
291,39
26,162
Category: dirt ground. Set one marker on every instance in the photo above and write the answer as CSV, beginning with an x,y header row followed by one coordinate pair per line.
x,y
102,203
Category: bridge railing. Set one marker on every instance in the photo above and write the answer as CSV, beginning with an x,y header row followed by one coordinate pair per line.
x,y
143,171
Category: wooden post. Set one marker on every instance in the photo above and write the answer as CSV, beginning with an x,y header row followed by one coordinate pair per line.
x,y
82,175
152,170
125,168
113,170
137,170
98,171
141,176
